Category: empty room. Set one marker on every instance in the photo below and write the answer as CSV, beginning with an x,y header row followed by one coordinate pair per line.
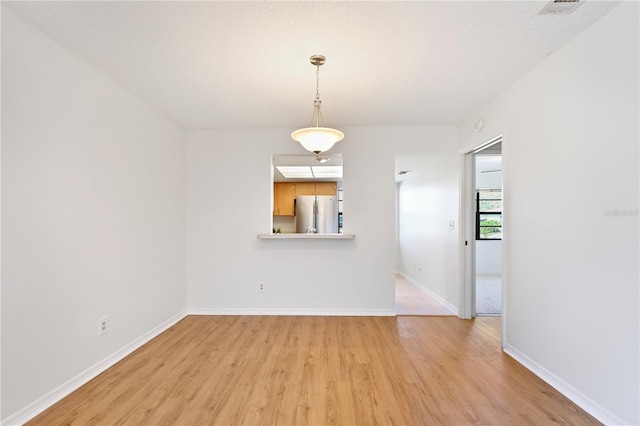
x,y
202,223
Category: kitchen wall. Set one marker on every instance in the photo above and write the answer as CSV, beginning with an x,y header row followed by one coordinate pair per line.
x,y
428,199
570,167
286,224
93,218
228,181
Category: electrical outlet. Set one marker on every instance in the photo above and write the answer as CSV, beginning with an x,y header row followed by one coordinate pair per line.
x,y
260,286
452,225
415,267
419,268
102,326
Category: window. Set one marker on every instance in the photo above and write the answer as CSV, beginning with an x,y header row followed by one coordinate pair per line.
x,y
489,215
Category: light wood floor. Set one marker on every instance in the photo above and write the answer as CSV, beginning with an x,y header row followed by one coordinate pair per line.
x,y
217,370
410,300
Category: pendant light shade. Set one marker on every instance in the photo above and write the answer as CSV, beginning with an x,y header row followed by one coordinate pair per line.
x,y
317,138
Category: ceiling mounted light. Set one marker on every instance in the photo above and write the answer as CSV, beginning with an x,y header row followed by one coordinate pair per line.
x,y
317,138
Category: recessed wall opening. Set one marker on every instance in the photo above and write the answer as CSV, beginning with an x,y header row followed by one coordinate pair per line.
x,y
488,231
426,232
307,194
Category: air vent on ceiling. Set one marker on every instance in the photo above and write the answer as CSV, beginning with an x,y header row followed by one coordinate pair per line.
x,y
560,7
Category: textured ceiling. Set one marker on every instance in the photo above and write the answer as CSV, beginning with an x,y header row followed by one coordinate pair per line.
x,y
230,64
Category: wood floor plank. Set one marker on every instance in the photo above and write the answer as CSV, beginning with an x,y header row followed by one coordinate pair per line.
x,y
235,370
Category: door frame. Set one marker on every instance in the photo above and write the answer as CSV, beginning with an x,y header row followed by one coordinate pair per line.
x,y
466,242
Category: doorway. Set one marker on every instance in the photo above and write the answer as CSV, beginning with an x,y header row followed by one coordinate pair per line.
x,y
469,227
488,231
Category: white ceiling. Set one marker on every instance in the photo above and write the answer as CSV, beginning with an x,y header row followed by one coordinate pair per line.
x,y
245,64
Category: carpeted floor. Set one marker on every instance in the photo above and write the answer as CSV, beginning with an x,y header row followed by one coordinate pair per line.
x,y
488,294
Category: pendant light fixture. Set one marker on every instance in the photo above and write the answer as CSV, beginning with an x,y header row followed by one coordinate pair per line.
x,y
317,138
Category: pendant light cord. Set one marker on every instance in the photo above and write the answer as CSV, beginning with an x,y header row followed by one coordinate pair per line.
x,y
317,114
317,82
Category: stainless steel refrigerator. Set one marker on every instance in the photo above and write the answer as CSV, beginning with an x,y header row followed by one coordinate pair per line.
x,y
317,214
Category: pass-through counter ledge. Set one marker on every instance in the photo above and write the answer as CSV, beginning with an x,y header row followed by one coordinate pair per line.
x,y
306,236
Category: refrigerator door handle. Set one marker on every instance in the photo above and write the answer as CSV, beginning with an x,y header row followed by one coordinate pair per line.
x,y
315,215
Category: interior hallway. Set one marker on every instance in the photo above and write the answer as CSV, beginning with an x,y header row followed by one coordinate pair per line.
x,y
411,300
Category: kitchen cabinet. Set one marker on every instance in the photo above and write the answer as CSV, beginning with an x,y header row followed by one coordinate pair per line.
x,y
326,188
284,194
283,198
316,188
305,188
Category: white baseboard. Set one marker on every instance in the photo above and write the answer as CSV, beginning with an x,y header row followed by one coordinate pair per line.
x,y
564,388
298,312
39,405
448,305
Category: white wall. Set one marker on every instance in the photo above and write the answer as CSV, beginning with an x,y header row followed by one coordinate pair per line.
x,y
427,201
491,180
488,257
93,216
228,182
570,130
286,224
